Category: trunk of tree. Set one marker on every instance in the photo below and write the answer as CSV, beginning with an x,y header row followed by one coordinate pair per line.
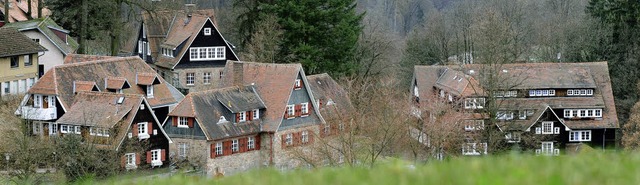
x,y
29,10
82,39
39,8
116,30
6,11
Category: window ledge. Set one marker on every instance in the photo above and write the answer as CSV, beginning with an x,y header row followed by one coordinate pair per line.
x,y
156,163
131,166
143,136
304,116
183,126
291,117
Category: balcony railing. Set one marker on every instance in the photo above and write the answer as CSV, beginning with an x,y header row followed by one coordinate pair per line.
x,y
36,113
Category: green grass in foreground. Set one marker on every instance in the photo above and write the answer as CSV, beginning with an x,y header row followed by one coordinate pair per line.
x,y
593,168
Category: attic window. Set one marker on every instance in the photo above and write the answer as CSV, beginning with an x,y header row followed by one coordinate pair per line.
x,y
298,84
149,91
120,100
207,31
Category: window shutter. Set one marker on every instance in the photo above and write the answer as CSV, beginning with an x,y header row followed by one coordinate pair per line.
x,y
134,130
296,139
150,128
226,148
149,157
137,158
310,136
250,115
237,117
286,115
283,139
163,156
190,122
212,151
175,121
301,83
298,109
123,161
257,140
242,144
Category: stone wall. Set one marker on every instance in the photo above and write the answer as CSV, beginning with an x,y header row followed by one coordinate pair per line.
x,y
197,151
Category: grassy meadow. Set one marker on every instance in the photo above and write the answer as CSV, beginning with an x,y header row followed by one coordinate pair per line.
x,y
591,168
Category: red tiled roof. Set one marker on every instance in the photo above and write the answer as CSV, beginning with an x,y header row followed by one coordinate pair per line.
x,y
84,86
77,58
147,79
116,83
59,80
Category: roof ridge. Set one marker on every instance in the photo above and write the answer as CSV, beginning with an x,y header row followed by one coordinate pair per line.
x,y
111,59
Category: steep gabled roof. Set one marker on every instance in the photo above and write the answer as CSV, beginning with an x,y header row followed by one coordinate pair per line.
x,y
184,30
208,106
15,43
334,99
46,26
274,83
59,80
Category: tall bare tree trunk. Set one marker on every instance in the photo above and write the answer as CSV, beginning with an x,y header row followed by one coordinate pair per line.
x,y
29,10
40,8
82,39
6,11
116,30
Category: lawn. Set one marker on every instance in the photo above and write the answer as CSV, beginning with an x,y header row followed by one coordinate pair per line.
x,y
593,168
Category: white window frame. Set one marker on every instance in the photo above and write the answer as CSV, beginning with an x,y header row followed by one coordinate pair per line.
x,y
297,85
305,136
207,31
504,115
156,159
182,149
305,108
243,116
37,128
92,131
77,130
570,92
473,148
597,113
219,148
183,122
474,103
130,160
289,139
251,143
547,127
513,137
291,111
206,78
235,145
190,78
52,101
207,53
580,135
37,100
327,128
256,114
64,129
143,132
582,113
149,91
522,114
53,129
547,148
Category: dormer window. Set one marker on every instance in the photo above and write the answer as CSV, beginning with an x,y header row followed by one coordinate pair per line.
x,y
298,84
207,31
291,111
256,114
242,116
149,91
580,92
305,108
183,122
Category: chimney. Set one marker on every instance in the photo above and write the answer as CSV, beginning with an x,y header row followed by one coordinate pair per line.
x,y
189,9
238,73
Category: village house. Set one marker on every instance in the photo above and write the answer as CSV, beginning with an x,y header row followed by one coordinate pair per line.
x,y
263,115
54,38
18,61
563,105
185,47
112,121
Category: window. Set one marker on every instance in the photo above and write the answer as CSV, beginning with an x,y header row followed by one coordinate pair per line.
x,y
567,113
139,46
511,94
37,128
27,60
580,92
538,92
542,92
305,136
14,62
474,148
142,130
547,127
513,137
234,145
504,115
522,114
207,53
131,160
598,113
580,135
191,78
63,129
589,91
207,31
305,108
183,122
155,157
53,128
290,110
251,143
219,148
92,131
77,130
582,113
243,116
298,84
327,128
182,149
547,148
206,79
570,92
36,40
37,100
149,91
289,139
471,125
256,114
589,113
474,103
